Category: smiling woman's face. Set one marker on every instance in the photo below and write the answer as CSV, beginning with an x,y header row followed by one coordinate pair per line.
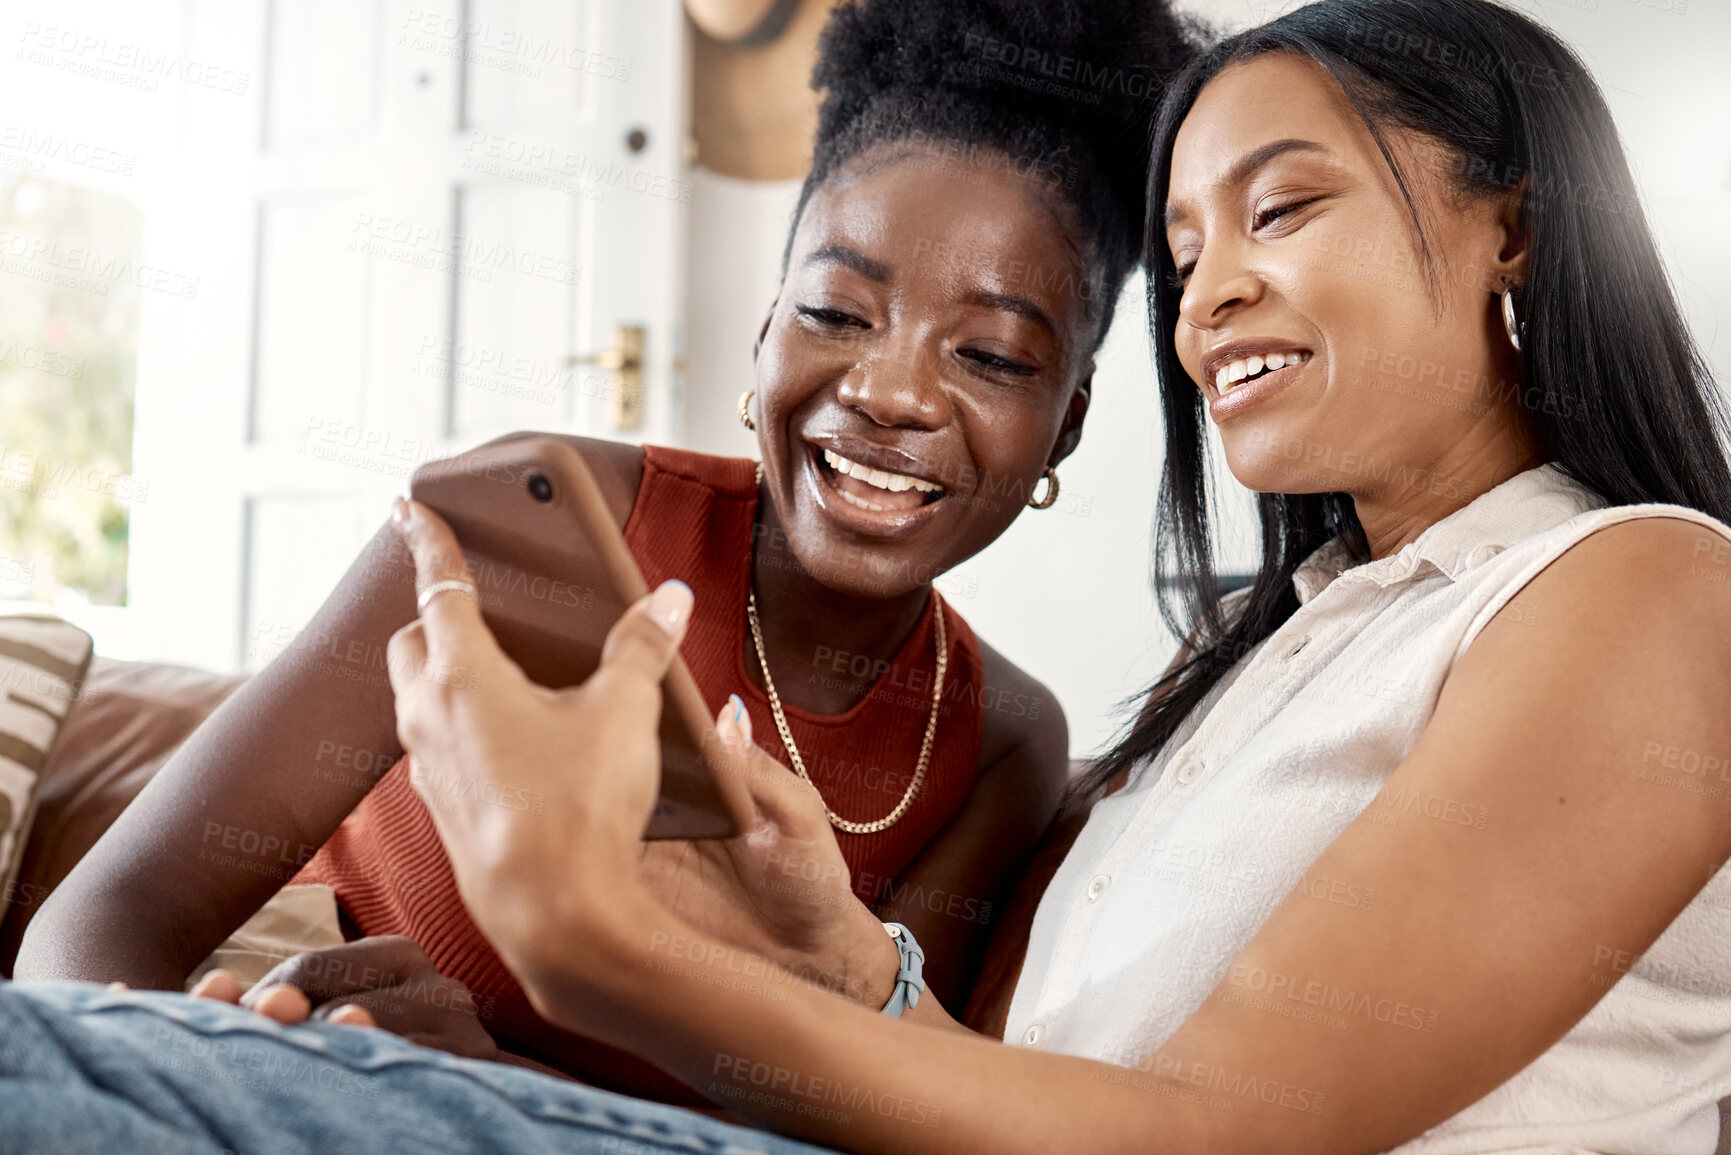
x,y
928,357
1326,358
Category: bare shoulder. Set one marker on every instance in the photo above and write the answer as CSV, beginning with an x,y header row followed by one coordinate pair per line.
x,y
1663,579
1022,727
1621,643
617,466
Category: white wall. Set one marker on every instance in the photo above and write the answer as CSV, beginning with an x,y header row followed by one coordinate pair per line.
x,y
737,231
1065,592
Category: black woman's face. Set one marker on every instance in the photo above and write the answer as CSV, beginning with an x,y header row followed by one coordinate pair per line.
x,y
928,357
1326,358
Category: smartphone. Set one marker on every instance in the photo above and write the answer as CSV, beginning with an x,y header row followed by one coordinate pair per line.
x,y
552,573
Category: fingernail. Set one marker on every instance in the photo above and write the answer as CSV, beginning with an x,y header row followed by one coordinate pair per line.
x,y
670,605
399,513
733,726
725,727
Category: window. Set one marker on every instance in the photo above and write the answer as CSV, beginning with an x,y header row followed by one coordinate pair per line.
x,y
69,306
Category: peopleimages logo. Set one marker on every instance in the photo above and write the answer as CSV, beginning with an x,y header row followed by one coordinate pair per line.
x,y
431,247
548,165
49,361
90,270
1092,79
22,471
38,147
516,50
122,61
811,1094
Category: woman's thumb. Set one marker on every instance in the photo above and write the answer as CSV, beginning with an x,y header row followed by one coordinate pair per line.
x,y
646,636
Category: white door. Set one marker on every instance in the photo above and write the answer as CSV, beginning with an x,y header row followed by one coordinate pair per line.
x,y
412,221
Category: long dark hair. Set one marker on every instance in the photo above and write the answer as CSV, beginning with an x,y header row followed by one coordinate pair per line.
x,y
1614,388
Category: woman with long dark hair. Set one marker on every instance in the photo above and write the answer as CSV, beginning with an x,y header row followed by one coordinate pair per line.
x,y
1607,383
1418,844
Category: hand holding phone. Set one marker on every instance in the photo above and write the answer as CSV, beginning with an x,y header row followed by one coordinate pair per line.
x,y
552,574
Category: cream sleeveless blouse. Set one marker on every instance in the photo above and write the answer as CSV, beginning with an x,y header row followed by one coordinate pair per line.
x,y
1174,874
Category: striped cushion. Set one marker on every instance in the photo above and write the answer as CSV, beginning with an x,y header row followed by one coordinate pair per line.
x,y
42,665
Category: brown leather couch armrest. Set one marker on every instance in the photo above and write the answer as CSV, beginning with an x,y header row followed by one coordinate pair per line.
x,y
127,722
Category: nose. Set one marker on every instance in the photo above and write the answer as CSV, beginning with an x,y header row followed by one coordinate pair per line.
x,y
1220,284
898,387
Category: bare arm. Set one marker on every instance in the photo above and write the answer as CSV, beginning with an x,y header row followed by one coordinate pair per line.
x,y
1543,722
245,803
257,789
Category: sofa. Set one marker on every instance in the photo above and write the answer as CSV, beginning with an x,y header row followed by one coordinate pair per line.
x,y
128,720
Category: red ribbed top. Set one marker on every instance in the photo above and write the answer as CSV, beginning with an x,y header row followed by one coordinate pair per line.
x,y
694,519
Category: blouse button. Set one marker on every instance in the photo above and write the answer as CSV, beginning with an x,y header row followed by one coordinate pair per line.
x,y
1297,647
1097,886
1189,770
1031,1036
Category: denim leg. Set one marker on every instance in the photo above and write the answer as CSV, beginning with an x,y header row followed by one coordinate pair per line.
x,y
85,1069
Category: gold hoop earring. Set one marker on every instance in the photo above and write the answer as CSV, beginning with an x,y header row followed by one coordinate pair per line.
x,y
745,409
1051,476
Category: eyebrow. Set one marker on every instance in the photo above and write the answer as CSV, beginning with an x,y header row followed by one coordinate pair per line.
x,y
1246,167
850,258
1013,303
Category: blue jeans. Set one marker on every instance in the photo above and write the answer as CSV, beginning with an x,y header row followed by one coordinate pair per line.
x,y
84,1069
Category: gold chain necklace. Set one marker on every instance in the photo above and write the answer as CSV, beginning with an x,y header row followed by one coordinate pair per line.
x,y
835,819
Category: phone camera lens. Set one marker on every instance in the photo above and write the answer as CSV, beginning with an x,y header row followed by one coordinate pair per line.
x,y
540,488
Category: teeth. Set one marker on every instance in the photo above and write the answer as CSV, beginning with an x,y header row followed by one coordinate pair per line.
x,y
1230,376
892,482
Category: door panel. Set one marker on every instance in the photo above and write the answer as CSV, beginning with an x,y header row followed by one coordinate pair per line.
x,y
447,208
527,61
514,310
323,80
311,316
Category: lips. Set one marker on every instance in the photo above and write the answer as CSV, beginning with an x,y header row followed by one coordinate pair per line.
x,y
1243,370
871,490
877,489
